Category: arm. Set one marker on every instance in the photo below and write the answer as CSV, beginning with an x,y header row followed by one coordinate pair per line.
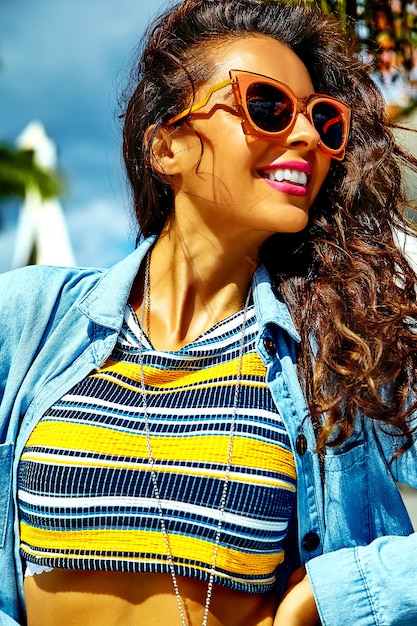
x,y
29,302
363,586
298,605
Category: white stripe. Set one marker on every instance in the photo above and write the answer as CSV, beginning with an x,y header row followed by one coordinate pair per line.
x,y
219,330
183,412
181,507
232,326
241,532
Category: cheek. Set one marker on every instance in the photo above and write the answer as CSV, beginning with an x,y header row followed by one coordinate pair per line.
x,y
191,155
322,169
224,144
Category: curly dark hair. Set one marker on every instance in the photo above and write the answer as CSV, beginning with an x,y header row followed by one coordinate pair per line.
x,y
348,286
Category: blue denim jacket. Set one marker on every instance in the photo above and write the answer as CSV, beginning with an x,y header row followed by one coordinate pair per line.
x,y
354,534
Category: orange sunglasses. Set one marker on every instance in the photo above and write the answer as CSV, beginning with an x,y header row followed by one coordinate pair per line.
x,y
269,108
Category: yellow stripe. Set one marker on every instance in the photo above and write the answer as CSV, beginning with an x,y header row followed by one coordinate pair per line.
x,y
170,390
172,379
236,477
207,448
149,542
265,580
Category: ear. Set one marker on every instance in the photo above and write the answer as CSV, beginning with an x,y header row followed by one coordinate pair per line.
x,y
165,150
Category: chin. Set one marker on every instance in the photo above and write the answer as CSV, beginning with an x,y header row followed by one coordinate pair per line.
x,y
296,225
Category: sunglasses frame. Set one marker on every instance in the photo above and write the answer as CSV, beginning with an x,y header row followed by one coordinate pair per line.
x,y
241,81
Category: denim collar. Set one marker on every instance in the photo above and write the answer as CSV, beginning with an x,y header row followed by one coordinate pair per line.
x,y
105,302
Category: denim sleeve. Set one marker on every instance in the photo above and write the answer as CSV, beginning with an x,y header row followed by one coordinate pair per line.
x,y
372,585
5,620
22,305
32,302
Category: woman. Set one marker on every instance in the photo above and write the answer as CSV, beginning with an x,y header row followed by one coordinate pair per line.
x,y
210,432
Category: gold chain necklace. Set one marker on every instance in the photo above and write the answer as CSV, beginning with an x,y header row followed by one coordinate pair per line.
x,y
146,306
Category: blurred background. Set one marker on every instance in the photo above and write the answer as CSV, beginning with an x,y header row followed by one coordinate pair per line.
x,y
63,65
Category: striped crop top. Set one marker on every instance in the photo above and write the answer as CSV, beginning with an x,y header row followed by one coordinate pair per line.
x,y
85,492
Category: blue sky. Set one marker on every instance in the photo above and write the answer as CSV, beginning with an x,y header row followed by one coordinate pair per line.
x,y
64,62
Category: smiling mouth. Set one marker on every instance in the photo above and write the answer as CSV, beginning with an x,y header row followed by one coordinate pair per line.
x,y
279,175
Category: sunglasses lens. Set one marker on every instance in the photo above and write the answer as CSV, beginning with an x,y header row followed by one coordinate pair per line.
x,y
328,122
270,108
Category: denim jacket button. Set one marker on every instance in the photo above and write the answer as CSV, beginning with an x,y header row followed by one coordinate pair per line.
x,y
270,346
301,445
311,542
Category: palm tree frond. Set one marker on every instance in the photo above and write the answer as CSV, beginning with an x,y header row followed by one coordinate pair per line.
x,y
19,171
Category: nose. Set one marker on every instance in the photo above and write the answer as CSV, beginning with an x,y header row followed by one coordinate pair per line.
x,y
303,134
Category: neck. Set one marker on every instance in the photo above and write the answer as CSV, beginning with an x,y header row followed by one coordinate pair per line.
x,y
195,282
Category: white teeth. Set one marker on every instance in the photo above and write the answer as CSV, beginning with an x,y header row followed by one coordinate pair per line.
x,y
292,176
302,179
